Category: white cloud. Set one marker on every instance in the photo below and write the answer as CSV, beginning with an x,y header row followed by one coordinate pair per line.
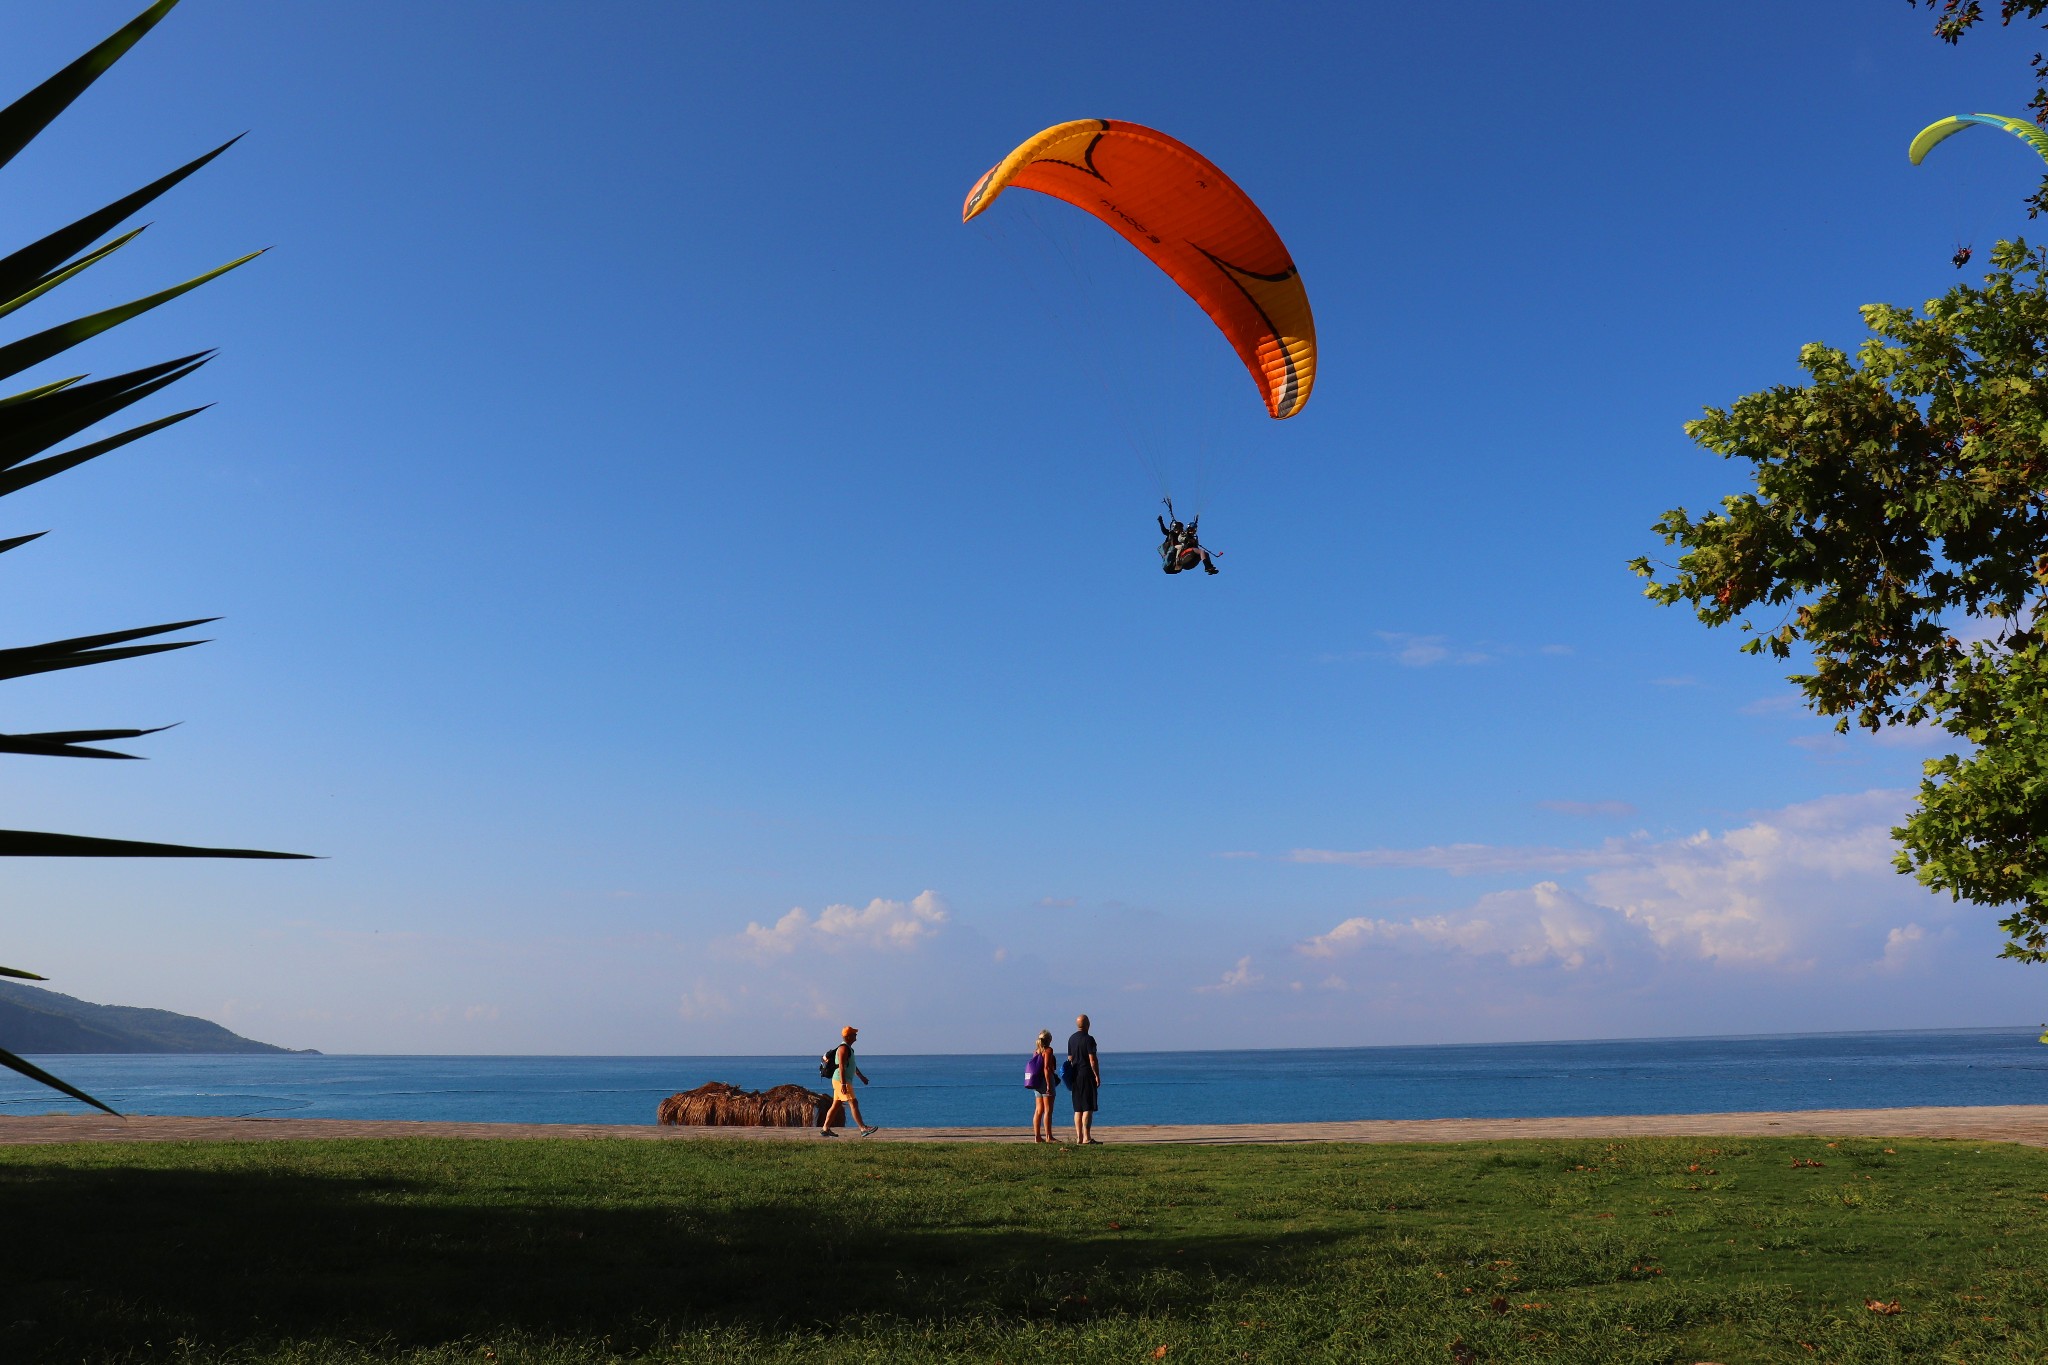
x,y
1538,925
1421,651
1236,979
1899,946
1792,888
704,1001
1461,860
880,923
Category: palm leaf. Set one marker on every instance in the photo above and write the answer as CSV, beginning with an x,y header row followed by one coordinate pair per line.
x,y
82,650
14,542
18,972
22,843
28,429
14,480
39,390
71,743
34,262
17,356
29,115
55,278
36,1073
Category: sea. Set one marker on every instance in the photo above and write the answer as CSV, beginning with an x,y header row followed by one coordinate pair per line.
x,y
1289,1085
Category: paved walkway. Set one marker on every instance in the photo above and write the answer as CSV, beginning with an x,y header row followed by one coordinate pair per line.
x,y
2023,1123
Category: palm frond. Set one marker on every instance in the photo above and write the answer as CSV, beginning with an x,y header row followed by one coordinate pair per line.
x,y
29,115
14,480
24,268
83,650
39,390
23,843
36,1073
17,356
71,743
28,429
57,277
15,542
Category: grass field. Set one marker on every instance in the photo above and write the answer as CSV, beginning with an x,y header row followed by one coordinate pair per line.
x,y
1666,1250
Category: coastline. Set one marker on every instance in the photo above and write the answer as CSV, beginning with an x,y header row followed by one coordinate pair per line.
x,y
2026,1124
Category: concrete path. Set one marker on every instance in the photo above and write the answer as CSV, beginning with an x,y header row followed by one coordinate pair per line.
x,y
2022,1123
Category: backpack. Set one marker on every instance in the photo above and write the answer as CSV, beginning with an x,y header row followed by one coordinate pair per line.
x,y
828,1064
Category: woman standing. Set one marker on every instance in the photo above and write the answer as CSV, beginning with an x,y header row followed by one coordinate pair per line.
x,y
1042,1077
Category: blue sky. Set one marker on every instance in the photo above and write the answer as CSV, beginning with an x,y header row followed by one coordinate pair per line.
x,y
642,512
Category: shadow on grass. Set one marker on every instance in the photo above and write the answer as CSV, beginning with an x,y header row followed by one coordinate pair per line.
x,y
106,1260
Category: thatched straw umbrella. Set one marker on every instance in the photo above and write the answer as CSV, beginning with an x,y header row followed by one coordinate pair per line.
x,y
718,1105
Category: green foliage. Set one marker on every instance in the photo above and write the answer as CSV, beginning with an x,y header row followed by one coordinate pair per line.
x,y
45,415
579,1252
1896,536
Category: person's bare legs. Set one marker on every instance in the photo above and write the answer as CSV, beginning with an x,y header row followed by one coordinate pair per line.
x,y
1084,1126
831,1113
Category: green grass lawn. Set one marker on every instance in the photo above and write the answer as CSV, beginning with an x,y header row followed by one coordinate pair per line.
x,y
1666,1250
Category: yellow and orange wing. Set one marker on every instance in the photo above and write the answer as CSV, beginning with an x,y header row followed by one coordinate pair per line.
x,y
1190,220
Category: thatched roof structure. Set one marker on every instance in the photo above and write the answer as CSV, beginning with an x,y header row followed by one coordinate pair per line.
x,y
718,1105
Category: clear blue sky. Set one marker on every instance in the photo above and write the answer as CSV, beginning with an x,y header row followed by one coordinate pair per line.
x,y
640,510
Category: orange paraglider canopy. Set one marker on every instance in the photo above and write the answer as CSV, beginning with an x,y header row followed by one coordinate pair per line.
x,y
1190,220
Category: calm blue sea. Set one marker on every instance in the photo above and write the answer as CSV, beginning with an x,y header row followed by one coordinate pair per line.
x,y
1649,1076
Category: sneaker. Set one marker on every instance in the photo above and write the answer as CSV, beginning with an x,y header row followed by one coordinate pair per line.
x,y
869,1132
826,1132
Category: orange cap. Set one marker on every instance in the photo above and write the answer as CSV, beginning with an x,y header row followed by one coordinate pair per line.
x,y
848,1031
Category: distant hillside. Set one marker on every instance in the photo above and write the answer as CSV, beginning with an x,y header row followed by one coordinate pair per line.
x,y
33,1021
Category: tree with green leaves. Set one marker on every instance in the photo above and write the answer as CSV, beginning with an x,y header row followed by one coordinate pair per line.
x,y
1897,531
1896,539
51,412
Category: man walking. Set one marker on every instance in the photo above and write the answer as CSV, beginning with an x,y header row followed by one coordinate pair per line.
x,y
1084,1074
843,1073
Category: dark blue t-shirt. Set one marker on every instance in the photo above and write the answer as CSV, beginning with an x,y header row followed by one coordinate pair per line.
x,y
1080,1047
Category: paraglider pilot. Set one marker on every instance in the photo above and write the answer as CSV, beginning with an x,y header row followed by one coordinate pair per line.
x,y
1182,549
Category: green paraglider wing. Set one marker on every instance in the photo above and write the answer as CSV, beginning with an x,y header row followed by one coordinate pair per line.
x,y
2025,129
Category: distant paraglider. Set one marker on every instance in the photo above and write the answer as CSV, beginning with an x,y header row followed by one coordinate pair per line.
x,y
1941,130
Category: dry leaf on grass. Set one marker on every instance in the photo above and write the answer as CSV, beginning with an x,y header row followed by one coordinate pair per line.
x,y
1880,1306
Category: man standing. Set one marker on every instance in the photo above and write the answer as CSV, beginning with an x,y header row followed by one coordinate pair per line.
x,y
1084,1074
842,1086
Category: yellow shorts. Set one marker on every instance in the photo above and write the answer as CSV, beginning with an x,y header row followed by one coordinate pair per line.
x,y
842,1089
